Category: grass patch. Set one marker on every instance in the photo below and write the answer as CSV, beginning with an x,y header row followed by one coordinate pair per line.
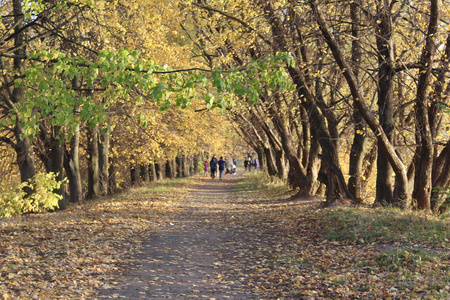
x,y
261,182
385,225
401,258
164,186
407,249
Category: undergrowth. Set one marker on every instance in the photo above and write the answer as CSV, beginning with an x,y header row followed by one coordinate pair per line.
x,y
353,253
410,248
261,182
385,225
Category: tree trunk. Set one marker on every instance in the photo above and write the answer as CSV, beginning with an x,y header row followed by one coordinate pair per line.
x,y
72,166
441,180
169,169
337,187
385,89
173,164
261,158
54,161
152,168
93,165
179,166
297,171
24,149
184,166
158,172
72,158
103,155
368,164
25,156
368,116
270,162
422,179
355,181
195,164
313,167
135,175
145,173
112,179
281,165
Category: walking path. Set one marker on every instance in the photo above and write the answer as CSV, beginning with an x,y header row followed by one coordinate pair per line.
x,y
202,253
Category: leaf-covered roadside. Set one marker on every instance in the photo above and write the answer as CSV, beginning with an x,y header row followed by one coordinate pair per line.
x,y
70,254
282,248
348,253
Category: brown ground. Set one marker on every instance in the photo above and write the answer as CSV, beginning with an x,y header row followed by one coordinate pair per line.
x,y
204,251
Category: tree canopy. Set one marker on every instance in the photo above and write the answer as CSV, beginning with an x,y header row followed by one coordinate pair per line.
x,y
346,100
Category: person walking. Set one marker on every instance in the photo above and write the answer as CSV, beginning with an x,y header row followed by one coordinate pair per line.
x,y
213,166
256,163
205,167
221,164
245,164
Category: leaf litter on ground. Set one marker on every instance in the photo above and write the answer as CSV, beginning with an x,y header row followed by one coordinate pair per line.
x,y
72,253
295,250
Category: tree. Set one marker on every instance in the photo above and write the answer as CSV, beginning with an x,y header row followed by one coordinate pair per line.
x,y
72,83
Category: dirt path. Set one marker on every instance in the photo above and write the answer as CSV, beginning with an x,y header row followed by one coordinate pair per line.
x,y
200,254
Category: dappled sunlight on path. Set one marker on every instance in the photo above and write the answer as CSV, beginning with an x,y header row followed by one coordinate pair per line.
x,y
199,253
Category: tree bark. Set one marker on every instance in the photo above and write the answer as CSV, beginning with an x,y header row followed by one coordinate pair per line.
x,y
103,156
368,116
158,172
135,175
195,164
355,181
313,166
336,186
72,166
169,169
55,164
261,158
72,158
298,172
179,166
24,148
270,162
93,166
422,179
385,91
145,173
152,168
441,180
112,176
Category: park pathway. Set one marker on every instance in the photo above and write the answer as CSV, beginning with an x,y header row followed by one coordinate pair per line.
x,y
202,253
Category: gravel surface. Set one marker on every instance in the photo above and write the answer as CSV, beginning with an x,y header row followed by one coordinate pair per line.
x,y
200,254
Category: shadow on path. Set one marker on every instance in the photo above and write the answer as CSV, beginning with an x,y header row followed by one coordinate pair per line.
x,y
187,258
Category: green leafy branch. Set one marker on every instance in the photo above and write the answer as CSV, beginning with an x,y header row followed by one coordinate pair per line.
x,y
50,94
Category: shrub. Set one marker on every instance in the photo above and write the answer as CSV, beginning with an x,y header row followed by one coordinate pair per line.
x,y
14,201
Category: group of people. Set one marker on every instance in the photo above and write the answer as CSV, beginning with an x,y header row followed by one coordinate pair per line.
x,y
249,163
218,166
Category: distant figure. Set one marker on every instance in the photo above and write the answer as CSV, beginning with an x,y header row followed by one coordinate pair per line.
x,y
245,164
233,169
205,167
256,163
249,162
221,164
213,166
